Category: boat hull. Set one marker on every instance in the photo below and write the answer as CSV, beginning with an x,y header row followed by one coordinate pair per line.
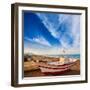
x,y
54,70
56,73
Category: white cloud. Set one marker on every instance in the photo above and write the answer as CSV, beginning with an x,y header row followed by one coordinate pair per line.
x,y
72,22
76,31
52,26
53,51
41,40
73,32
28,39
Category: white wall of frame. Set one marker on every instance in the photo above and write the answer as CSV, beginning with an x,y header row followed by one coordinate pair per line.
x,y
5,45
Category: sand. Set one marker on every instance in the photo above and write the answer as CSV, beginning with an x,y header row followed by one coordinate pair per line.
x,y
38,73
74,70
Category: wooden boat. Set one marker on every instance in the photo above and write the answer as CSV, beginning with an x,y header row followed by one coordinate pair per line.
x,y
56,67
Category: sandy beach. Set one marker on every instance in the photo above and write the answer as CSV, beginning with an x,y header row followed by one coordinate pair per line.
x,y
74,70
38,73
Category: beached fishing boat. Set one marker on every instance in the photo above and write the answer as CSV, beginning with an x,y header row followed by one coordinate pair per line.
x,y
56,67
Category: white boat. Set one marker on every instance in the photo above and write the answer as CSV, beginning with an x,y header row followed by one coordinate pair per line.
x,y
56,67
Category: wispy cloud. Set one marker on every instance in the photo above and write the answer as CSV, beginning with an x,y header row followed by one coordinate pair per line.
x,y
76,31
51,23
64,27
41,40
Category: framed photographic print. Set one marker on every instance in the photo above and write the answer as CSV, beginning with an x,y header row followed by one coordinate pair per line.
x,y
48,44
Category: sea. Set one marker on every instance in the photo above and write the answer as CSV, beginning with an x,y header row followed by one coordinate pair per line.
x,y
76,56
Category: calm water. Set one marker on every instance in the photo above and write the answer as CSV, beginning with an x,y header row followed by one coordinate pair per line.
x,y
67,56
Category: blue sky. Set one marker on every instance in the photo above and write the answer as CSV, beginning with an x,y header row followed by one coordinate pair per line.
x,y
50,33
